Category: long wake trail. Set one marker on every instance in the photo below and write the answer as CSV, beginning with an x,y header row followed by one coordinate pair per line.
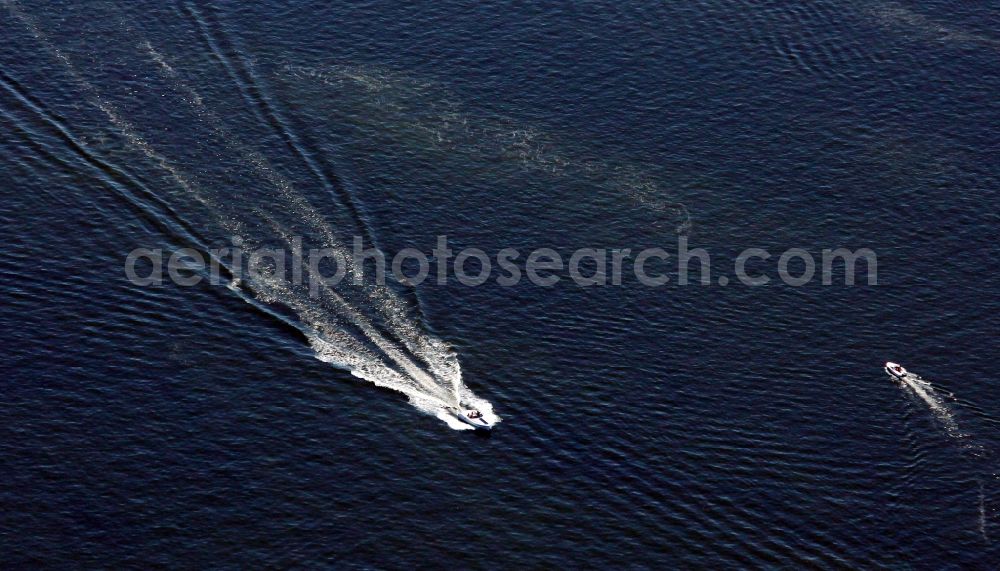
x,y
972,450
391,308
926,392
391,351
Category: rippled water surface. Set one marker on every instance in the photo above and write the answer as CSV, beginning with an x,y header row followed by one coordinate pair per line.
x,y
680,426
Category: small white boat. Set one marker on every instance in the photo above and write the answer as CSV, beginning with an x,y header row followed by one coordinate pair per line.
x,y
472,417
895,370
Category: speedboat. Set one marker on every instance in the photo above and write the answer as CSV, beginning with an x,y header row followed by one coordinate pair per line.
x,y
895,370
472,417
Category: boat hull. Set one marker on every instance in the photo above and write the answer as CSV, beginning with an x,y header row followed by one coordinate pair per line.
x,y
477,423
895,370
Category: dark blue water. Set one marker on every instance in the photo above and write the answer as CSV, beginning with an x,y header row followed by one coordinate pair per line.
x,y
673,427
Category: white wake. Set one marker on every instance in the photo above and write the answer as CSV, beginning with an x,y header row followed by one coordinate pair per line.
x,y
365,328
938,406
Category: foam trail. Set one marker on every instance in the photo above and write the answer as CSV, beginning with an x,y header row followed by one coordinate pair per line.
x,y
128,131
932,397
896,16
389,305
982,513
253,93
327,330
94,98
926,392
443,366
439,122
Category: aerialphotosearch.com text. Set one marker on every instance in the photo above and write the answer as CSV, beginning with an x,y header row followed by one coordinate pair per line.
x,y
316,268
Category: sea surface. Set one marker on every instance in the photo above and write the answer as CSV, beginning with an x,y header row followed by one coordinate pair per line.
x,y
249,424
